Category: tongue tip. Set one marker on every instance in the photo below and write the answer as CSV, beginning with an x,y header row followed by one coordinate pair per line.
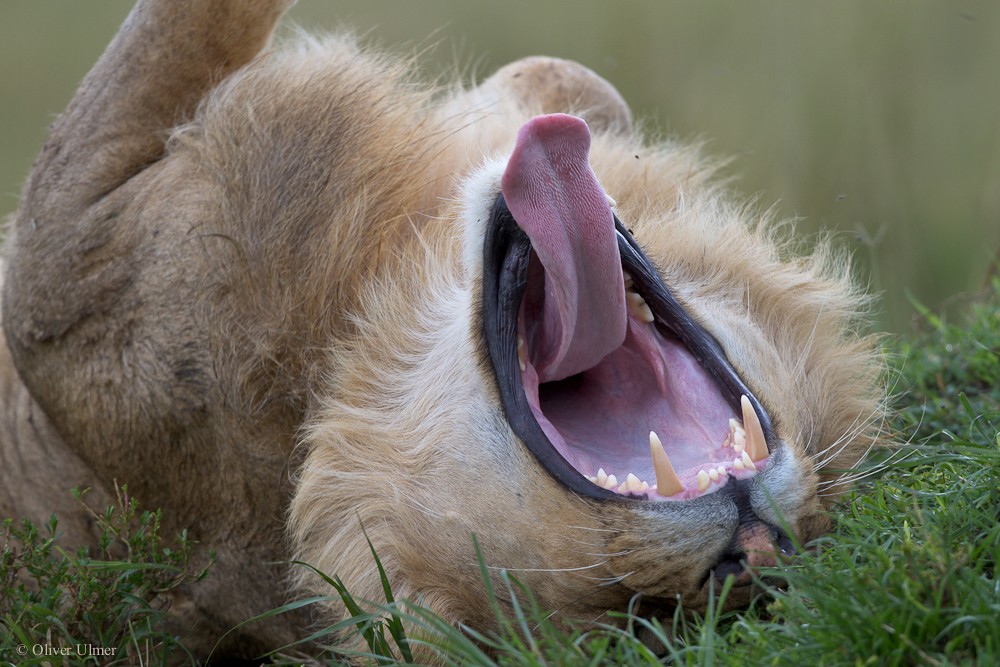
x,y
555,197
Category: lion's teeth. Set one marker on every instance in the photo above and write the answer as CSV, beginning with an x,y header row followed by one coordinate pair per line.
x,y
627,277
611,202
522,353
638,306
738,464
592,480
728,440
703,481
722,470
713,474
667,481
756,444
611,482
748,462
632,483
645,486
739,443
602,477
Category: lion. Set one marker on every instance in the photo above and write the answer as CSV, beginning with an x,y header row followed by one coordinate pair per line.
x,y
298,299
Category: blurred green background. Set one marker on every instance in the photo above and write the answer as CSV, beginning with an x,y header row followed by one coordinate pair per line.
x,y
879,121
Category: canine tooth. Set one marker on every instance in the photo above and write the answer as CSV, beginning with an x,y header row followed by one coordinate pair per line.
x,y
738,464
602,477
611,482
703,480
611,202
748,462
627,277
522,355
713,474
756,444
667,481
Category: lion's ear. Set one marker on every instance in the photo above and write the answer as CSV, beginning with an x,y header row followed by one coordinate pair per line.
x,y
545,85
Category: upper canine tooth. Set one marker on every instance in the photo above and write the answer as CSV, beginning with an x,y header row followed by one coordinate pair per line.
x,y
703,480
522,353
667,481
756,444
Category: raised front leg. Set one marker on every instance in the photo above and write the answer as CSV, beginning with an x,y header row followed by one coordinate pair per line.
x,y
100,310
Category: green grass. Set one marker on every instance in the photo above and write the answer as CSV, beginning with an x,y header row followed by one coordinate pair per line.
x,y
906,577
73,602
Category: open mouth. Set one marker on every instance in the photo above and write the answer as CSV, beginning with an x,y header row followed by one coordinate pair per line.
x,y
613,387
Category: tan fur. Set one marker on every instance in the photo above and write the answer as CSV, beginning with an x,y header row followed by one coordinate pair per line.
x,y
274,315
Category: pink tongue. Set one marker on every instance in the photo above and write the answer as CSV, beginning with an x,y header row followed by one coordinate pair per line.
x,y
555,198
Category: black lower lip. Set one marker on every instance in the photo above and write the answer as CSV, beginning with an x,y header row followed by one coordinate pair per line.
x,y
506,252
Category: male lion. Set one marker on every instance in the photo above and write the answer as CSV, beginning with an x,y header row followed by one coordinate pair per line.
x,y
288,295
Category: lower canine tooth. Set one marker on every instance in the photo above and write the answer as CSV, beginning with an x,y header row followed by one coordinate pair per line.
x,y
703,481
522,355
667,482
756,444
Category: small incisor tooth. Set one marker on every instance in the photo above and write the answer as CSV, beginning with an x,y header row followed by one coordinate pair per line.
x,y
522,354
611,482
739,443
738,464
703,481
638,306
632,483
627,277
713,474
602,477
611,202
756,444
748,462
667,481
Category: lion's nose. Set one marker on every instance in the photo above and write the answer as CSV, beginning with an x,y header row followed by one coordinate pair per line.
x,y
755,546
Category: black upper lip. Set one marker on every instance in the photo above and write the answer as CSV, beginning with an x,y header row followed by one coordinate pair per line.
x,y
507,250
